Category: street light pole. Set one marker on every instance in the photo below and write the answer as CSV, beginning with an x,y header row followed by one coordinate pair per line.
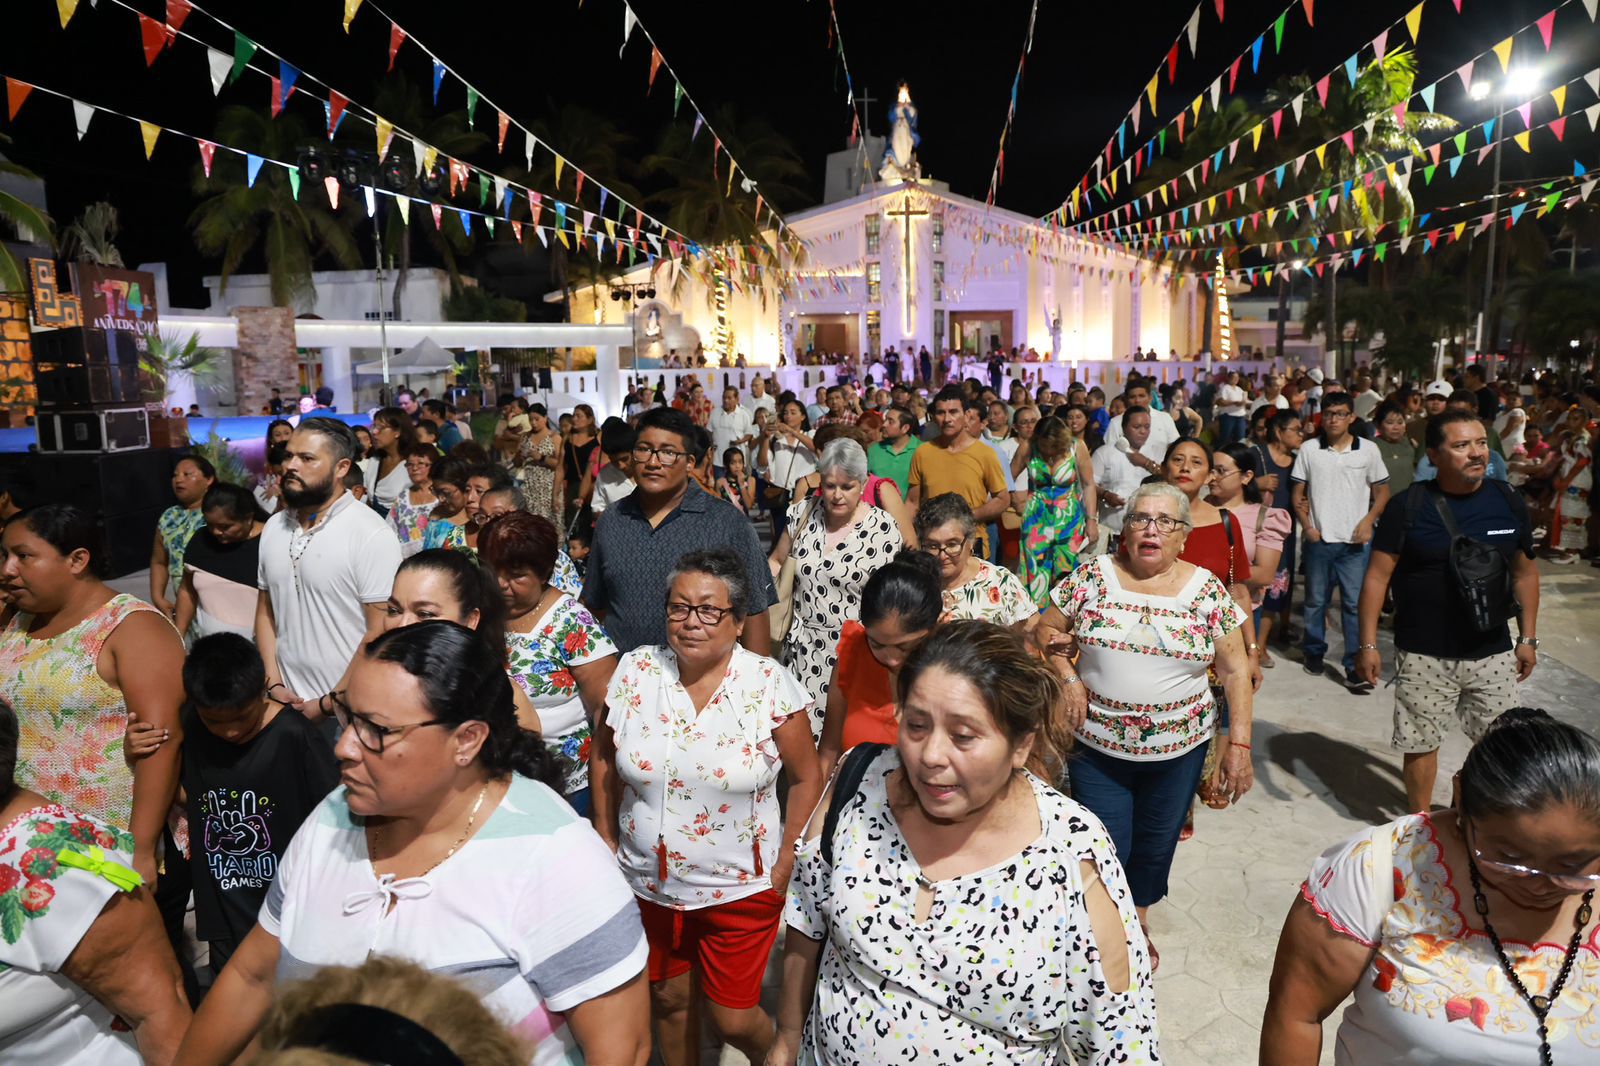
x,y
383,326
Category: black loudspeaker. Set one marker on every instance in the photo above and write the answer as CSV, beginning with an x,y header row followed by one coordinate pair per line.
x,y
98,430
71,385
525,378
126,491
545,381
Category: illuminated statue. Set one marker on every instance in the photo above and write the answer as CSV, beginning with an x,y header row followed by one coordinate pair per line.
x,y
900,158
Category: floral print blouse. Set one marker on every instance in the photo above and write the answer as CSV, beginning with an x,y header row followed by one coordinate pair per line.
x,y
1004,969
541,663
699,816
993,595
1143,659
1434,993
176,526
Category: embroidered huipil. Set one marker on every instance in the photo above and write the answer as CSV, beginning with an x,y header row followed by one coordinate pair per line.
x,y
699,817
1143,659
541,663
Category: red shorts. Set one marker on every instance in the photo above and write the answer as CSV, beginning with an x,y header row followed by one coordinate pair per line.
x,y
728,944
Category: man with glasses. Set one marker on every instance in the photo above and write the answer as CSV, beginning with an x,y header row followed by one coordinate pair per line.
x,y
1445,666
1340,488
638,540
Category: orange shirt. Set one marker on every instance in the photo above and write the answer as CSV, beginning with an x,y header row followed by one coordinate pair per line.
x,y
868,693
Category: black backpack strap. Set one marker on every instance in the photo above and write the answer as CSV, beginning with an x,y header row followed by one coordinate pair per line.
x,y
1415,495
846,783
1445,514
1519,511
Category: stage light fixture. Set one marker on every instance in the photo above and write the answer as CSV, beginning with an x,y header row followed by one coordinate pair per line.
x,y
313,167
396,174
350,171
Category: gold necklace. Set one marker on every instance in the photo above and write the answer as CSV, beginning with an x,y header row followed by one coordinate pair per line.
x,y
472,818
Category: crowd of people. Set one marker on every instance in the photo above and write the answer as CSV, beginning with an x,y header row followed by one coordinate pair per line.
x,y
927,676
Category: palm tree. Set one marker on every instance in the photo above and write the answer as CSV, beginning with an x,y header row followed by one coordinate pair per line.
x,y
22,218
92,236
237,219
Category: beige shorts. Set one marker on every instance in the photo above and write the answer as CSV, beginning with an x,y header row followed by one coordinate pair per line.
x,y
1429,691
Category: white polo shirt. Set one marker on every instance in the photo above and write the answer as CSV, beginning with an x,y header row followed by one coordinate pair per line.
x,y
726,427
1339,484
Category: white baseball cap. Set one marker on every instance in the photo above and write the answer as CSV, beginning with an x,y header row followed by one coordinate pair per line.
x,y
1438,388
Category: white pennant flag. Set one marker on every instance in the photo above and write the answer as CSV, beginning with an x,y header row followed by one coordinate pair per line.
x,y
81,114
499,192
628,19
1592,113
372,200
545,241
1297,103
1368,126
1592,79
1136,110
1216,92
1194,30
417,150
527,148
220,63
1585,190
1589,6
404,204
1405,243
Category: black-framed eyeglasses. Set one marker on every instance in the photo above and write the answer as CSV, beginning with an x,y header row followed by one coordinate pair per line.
x,y
949,549
643,453
708,614
1569,882
1163,523
370,734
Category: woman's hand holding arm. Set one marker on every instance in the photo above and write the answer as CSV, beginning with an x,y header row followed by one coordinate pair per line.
x,y
146,664
125,962
799,756
236,1005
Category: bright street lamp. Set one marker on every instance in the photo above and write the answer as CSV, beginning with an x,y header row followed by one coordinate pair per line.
x,y
1481,90
1520,83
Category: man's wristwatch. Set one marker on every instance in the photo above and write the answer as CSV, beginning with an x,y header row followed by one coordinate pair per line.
x,y
1531,642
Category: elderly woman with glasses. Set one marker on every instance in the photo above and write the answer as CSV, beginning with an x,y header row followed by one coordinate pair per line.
x,y
684,775
1465,935
972,587
1147,626
446,845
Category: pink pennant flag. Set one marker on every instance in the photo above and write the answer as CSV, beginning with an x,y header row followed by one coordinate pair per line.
x,y
1322,91
438,216
1458,6
207,150
1380,44
1558,126
1400,114
1546,24
331,183
1433,153
1349,139
1526,111
535,206
1464,72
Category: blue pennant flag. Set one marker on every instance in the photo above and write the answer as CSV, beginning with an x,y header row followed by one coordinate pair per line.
x,y
1427,96
1350,70
466,221
1422,223
1578,169
1122,130
1277,176
288,76
1488,130
438,78
1516,213
1347,187
252,165
1455,165
1356,257
1255,54
506,205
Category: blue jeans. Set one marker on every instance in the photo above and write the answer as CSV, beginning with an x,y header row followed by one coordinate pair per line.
x,y
1231,428
994,543
1326,563
1143,806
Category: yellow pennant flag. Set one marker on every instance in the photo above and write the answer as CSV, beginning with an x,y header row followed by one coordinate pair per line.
x,y
1522,141
1211,206
1359,195
1255,137
1272,213
350,8
1559,95
1163,193
561,235
1322,150
1266,275
430,156
1414,23
1150,90
404,204
1502,52
149,131
560,163
1114,174
67,8
385,130
1461,227
1199,102
611,228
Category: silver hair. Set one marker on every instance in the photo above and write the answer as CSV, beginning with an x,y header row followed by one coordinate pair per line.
x,y
1157,489
942,510
723,565
844,455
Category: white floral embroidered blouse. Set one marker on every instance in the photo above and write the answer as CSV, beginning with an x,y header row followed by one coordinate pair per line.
x,y
699,815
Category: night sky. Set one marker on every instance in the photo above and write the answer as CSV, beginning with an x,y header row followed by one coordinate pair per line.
x,y
769,58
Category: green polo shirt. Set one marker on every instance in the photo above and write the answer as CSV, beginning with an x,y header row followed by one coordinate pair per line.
x,y
896,466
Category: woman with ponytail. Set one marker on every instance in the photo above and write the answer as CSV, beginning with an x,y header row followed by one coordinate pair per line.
x,y
446,844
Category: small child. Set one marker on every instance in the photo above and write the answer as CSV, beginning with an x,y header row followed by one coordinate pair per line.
x,y
355,481
614,480
251,773
578,549
736,485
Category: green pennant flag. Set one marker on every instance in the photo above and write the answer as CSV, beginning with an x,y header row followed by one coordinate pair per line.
x,y
1293,209
243,49
1322,201
483,189
472,106
1550,201
1461,144
677,96
1161,142
488,221
1380,251
1294,245
630,255
1404,225
294,182
1277,32
1427,174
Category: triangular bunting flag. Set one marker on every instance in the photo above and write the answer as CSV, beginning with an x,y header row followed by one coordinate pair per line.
x,y
16,92
1255,55
1558,126
66,9
528,143
1414,23
1349,139
628,19
438,216
404,204
243,49
81,114
1427,96
1592,113
438,77
153,35
1590,6
350,8
560,163
294,182
177,12
472,106
207,152
1172,64
1526,111
1380,45
397,37
1502,52
1559,95
1523,140
1150,90
655,65
218,62
1193,30
148,132
331,185
1546,24
371,197
252,168
1277,33
335,111
505,127
288,75
277,97
1308,6
1464,72
1351,70
385,131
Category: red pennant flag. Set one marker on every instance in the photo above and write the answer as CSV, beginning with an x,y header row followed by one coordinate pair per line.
x,y
1308,4
207,150
1558,126
655,65
277,97
1261,184
438,216
336,105
1546,23
1233,73
1400,114
1172,64
1382,185
1181,116
1322,92
505,125
1219,10
177,11
16,92
1277,121
577,193
397,37
154,36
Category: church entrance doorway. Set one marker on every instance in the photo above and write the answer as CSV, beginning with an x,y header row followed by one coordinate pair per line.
x,y
978,332
827,333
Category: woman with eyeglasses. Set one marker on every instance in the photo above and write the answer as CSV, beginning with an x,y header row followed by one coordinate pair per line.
x,y
412,509
1465,935
970,587
448,845
785,454
684,777
450,522
1147,626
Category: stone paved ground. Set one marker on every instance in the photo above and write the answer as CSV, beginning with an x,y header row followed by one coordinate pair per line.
x,y
1323,770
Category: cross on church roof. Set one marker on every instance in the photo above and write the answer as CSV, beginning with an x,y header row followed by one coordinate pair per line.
x,y
864,102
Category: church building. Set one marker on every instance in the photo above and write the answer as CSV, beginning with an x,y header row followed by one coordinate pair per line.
x,y
894,258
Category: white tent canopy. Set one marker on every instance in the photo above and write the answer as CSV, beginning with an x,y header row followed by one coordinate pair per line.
x,y
424,357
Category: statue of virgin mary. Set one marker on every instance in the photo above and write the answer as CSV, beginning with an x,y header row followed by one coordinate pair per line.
x,y
900,157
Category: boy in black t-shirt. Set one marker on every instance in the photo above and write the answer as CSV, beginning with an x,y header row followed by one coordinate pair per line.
x,y
251,774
